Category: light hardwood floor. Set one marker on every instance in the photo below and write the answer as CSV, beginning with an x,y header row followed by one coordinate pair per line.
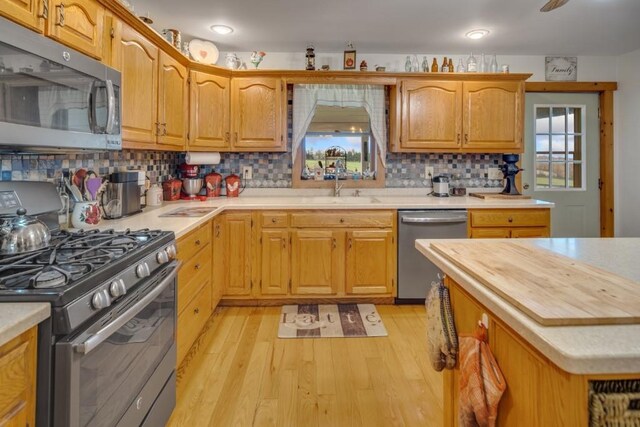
x,y
243,375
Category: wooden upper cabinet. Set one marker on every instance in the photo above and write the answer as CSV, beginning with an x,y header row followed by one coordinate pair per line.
x,y
317,261
173,102
258,114
493,115
430,113
137,60
209,109
370,262
29,13
79,24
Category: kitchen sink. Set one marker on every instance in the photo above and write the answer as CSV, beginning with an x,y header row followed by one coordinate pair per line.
x,y
342,200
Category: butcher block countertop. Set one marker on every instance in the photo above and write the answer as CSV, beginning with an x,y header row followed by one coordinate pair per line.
x,y
577,301
151,217
15,318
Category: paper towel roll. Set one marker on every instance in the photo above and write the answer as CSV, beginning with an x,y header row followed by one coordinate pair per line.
x,y
202,158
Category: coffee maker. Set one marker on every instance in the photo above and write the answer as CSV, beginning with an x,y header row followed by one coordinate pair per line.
x,y
121,196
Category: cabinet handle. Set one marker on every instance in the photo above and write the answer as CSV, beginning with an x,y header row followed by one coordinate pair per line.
x,y
217,230
284,243
60,8
164,129
45,9
226,137
335,243
196,311
350,244
157,129
458,138
197,266
510,219
466,138
235,136
197,242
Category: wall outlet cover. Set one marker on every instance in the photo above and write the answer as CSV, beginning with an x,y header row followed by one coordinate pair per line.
x,y
247,172
428,172
494,173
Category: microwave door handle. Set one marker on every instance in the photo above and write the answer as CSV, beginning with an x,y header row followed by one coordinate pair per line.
x,y
93,88
111,107
99,337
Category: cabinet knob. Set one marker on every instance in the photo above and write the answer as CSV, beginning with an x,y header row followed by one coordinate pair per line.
x,y
196,311
341,220
526,186
197,267
273,220
198,242
510,219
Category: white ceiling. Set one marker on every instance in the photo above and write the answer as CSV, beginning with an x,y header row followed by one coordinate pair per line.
x,y
582,27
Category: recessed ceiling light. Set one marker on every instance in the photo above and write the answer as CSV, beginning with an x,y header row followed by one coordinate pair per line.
x,y
477,34
221,29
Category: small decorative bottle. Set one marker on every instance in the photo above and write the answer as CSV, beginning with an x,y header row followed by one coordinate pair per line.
x,y
451,68
482,66
310,59
460,68
445,65
434,65
493,65
415,66
425,65
407,64
472,64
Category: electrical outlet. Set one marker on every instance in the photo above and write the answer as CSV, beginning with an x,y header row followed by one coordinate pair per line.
x,y
428,172
247,172
494,173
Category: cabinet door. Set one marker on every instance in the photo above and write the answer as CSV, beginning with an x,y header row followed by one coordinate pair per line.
x,y
530,232
218,261
317,262
172,102
493,116
275,262
29,13
18,379
137,60
490,233
79,24
257,113
431,115
209,110
236,230
370,266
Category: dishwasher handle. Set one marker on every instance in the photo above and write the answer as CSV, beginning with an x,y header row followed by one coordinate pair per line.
x,y
434,220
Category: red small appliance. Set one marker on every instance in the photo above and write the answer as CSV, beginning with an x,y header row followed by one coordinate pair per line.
x,y
232,184
213,184
189,171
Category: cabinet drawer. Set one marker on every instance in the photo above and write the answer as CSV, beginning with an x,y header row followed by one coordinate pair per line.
x,y
510,218
192,320
342,219
489,233
193,273
274,219
530,232
194,241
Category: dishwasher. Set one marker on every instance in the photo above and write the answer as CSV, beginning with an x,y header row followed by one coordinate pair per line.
x,y
415,271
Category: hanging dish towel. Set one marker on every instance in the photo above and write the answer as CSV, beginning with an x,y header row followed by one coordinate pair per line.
x,y
481,382
442,340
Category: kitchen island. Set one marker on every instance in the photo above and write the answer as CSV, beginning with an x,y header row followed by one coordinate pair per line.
x,y
548,369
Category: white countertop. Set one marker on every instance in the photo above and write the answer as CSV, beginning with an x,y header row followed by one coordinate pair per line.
x,y
15,318
603,349
180,225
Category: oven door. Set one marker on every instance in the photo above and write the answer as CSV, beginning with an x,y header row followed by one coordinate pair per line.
x,y
113,372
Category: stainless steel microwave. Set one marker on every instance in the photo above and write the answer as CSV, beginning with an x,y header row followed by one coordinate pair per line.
x,y
53,98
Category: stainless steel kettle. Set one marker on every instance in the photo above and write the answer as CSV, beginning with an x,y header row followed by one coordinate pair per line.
x,y
23,233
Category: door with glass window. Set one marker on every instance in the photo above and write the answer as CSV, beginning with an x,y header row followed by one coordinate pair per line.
x,y
562,160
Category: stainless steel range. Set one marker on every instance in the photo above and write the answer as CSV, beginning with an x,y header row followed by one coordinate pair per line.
x,y
107,356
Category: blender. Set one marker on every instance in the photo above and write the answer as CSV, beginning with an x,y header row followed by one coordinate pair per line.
x,y
191,184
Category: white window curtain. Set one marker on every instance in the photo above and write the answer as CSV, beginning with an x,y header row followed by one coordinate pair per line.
x,y
370,97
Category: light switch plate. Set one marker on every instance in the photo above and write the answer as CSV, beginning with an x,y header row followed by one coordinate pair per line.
x,y
247,172
494,173
428,172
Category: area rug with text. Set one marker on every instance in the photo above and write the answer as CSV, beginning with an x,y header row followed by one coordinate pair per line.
x,y
330,320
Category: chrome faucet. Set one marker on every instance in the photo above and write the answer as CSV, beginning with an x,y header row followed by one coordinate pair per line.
x,y
338,187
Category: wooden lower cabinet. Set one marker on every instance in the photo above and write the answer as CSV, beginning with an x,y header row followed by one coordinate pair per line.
x,y
192,319
509,223
233,253
369,262
275,272
18,380
538,392
316,260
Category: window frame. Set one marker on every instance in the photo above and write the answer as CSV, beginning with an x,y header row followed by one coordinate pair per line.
x,y
565,134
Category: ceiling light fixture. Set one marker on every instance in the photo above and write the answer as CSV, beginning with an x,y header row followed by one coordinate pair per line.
x,y
476,34
221,29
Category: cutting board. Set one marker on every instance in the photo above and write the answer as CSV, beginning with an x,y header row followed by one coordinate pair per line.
x,y
498,196
550,288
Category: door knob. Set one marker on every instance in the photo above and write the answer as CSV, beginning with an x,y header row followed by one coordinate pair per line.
x,y
526,186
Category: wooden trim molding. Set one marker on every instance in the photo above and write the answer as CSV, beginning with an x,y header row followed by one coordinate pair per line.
x,y
605,90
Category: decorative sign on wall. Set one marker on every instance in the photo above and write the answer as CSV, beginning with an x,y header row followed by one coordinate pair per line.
x,y
561,68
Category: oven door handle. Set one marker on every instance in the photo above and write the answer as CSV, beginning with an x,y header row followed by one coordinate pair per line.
x,y
99,337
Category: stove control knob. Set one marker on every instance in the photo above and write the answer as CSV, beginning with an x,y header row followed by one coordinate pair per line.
x,y
100,300
142,270
171,252
162,257
117,288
